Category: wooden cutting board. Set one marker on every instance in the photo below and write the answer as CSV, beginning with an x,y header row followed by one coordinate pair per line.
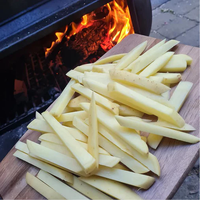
x,y
175,158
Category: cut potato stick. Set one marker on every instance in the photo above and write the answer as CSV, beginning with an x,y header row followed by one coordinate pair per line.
x,y
144,60
176,64
131,56
131,137
168,77
185,57
38,116
144,138
166,95
100,100
127,177
109,59
158,130
128,111
155,78
134,98
22,147
157,64
103,68
126,159
63,189
93,144
138,81
62,100
53,157
63,175
74,103
75,75
68,117
110,187
84,68
88,190
82,156
42,188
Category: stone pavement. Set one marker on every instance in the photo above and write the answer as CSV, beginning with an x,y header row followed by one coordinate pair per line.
x,y
179,19
176,19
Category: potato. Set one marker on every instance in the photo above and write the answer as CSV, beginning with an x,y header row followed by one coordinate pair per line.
x,y
74,103
62,100
61,174
168,77
130,178
158,130
154,140
134,98
93,143
129,136
42,188
84,68
185,57
126,159
82,156
155,78
144,60
68,117
157,64
88,190
128,111
131,56
138,81
112,188
103,68
38,116
109,59
75,75
176,64
100,100
61,188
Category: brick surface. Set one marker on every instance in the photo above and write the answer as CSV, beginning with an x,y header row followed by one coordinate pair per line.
x,y
181,6
176,27
193,14
191,37
155,34
162,19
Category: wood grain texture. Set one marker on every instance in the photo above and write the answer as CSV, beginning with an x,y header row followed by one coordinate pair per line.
x,y
175,158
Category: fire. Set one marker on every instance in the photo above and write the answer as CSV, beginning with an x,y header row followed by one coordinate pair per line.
x,y
117,19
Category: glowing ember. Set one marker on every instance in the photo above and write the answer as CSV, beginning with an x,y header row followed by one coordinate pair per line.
x,y
116,17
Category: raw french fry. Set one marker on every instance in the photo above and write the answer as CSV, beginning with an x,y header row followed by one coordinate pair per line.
x,y
103,68
127,177
84,68
112,188
63,175
38,116
168,77
131,56
121,166
157,64
42,188
128,111
131,137
68,117
74,103
110,59
43,127
158,130
155,78
53,157
126,159
116,61
68,124
61,188
68,109
148,58
166,95
53,138
100,100
88,190
132,97
138,81
185,57
75,75
63,100
22,147
177,99
82,156
144,138
176,64
93,144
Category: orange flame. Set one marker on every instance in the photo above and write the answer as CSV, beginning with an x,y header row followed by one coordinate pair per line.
x,y
118,21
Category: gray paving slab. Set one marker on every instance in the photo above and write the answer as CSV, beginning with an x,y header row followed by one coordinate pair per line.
x,y
155,34
193,14
191,37
177,27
